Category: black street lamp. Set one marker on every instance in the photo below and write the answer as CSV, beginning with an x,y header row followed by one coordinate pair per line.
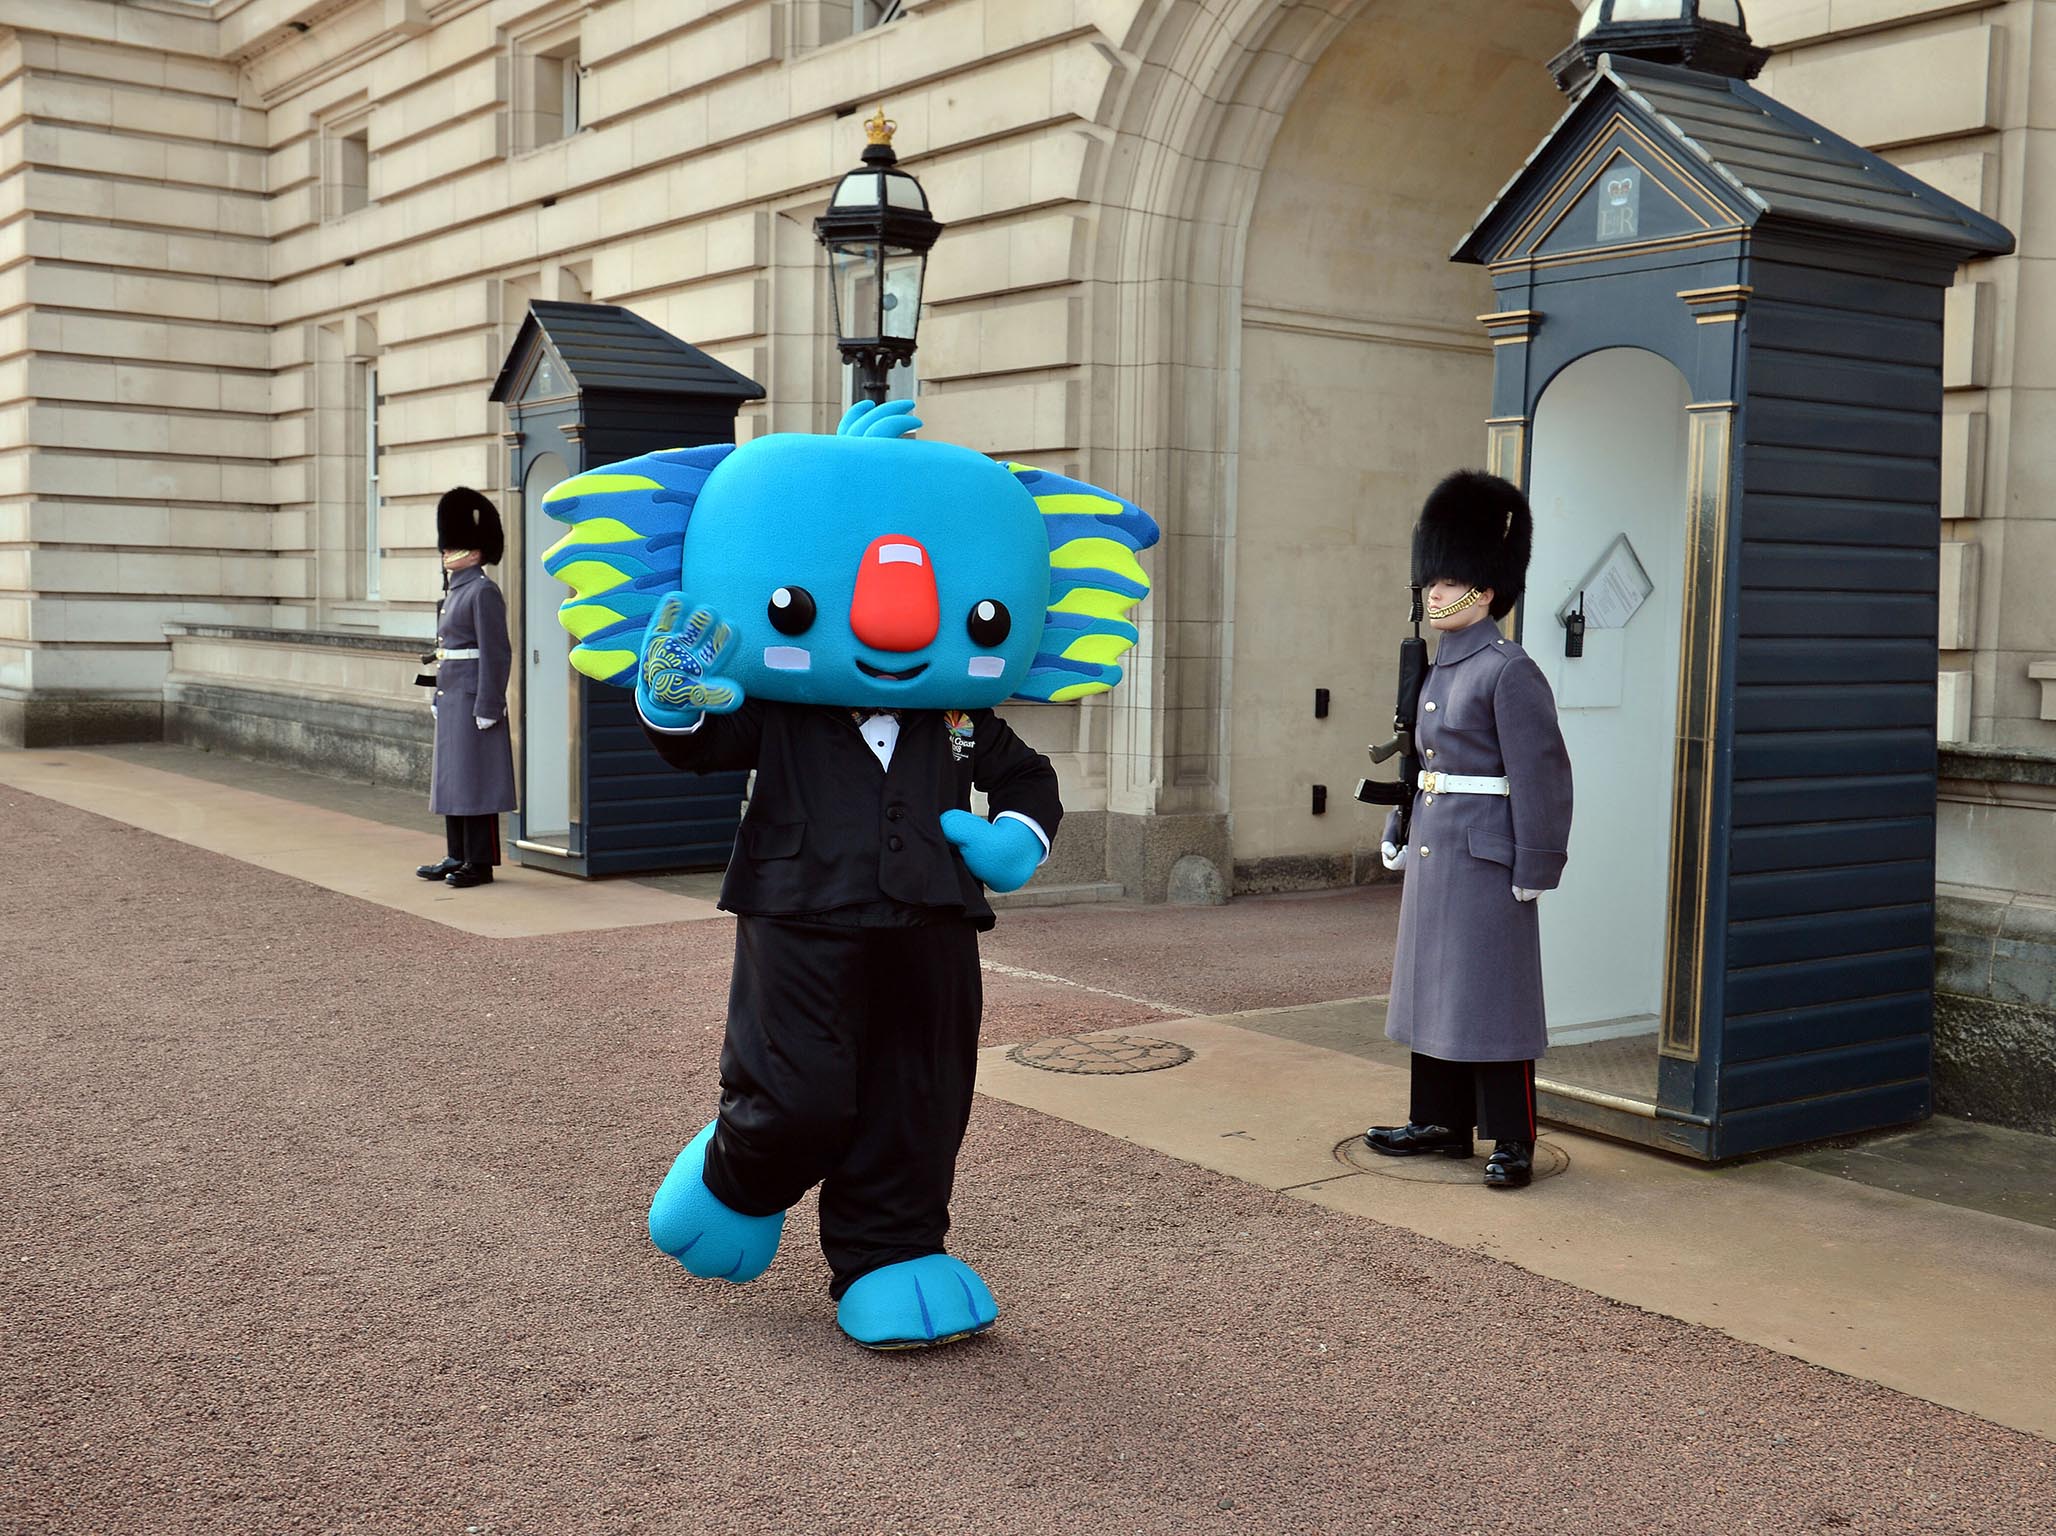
x,y
878,233
1707,35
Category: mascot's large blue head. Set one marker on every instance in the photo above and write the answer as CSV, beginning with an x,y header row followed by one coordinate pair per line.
x,y
866,568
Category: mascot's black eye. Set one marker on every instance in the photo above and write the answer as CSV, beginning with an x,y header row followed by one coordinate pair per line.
x,y
791,610
989,622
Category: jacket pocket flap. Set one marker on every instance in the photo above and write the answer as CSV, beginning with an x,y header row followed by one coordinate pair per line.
x,y
772,839
1496,847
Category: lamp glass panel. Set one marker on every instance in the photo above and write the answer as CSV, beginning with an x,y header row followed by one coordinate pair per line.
x,y
1591,17
859,189
902,191
856,291
1729,11
1649,10
902,299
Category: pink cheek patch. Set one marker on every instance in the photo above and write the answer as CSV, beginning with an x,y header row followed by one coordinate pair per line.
x,y
895,607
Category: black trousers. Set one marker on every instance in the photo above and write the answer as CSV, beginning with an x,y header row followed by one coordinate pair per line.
x,y
849,1063
474,839
1495,1097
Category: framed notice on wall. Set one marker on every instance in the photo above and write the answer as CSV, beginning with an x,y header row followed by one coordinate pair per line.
x,y
1613,591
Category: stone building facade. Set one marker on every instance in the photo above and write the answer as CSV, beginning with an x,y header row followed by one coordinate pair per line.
x,y
262,259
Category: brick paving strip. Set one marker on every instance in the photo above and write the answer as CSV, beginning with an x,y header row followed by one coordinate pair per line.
x,y
334,850
315,1216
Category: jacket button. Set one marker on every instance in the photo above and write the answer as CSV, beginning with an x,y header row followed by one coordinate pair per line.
x,y
894,844
1424,853
1431,751
1431,799
895,813
1429,706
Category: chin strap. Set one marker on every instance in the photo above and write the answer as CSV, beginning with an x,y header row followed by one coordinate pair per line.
x,y
1456,607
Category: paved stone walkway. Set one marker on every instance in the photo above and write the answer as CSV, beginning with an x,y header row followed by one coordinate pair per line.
x,y
1865,1280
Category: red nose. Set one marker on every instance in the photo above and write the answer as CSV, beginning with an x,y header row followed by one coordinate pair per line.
x,y
895,608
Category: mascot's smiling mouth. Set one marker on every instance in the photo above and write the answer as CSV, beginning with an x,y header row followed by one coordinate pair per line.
x,y
909,675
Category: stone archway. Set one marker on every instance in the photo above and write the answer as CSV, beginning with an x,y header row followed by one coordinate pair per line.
x,y
1195,120
1365,377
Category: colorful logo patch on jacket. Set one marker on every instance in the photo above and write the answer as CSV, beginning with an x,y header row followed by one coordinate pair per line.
x,y
961,736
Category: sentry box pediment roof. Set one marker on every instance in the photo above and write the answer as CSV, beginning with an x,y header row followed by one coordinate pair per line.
x,y
1652,156
606,347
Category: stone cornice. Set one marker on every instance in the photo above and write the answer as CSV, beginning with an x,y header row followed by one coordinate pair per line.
x,y
1980,764
402,645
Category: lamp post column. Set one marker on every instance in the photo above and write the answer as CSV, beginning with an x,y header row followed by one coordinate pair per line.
x,y
872,370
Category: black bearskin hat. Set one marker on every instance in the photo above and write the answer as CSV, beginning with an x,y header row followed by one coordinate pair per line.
x,y
1475,529
464,519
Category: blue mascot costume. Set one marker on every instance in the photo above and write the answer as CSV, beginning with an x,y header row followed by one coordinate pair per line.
x,y
841,613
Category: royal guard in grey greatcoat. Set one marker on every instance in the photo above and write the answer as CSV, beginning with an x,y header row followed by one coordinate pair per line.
x,y
1489,834
473,779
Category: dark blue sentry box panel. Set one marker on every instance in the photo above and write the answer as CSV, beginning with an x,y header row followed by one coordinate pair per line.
x,y
1797,281
595,384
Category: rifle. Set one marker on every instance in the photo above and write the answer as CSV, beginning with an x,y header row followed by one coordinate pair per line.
x,y
1413,672
431,661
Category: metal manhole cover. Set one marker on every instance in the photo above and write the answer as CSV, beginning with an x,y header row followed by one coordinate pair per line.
x,y
1096,1055
1550,1160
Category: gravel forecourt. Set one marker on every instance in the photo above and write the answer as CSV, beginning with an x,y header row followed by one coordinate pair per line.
x,y
321,1218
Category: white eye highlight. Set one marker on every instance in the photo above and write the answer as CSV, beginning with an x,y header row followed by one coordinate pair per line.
x,y
788,658
987,666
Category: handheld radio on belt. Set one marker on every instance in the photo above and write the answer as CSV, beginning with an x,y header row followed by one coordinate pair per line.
x,y
1413,672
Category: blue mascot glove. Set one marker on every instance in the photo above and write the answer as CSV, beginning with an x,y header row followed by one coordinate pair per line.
x,y
684,660
1003,853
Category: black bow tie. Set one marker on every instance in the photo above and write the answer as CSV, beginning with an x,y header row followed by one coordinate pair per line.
x,y
861,715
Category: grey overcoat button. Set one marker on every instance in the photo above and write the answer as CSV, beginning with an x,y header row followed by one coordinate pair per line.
x,y
1431,706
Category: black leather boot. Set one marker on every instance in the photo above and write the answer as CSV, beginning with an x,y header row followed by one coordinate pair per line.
x,y
437,871
1412,1140
466,875
1511,1165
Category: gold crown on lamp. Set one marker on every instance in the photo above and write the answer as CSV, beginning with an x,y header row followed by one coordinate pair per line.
x,y
879,129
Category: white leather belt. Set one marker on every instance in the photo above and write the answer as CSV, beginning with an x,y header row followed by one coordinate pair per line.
x,y
443,655
1457,784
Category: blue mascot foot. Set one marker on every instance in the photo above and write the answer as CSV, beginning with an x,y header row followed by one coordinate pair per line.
x,y
708,1238
934,1299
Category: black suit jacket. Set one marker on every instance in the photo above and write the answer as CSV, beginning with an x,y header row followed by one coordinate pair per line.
x,y
828,829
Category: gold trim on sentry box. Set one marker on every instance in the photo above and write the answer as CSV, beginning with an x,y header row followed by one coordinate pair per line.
x,y
1641,1107
1573,183
1708,477
1615,252
1506,455
1717,306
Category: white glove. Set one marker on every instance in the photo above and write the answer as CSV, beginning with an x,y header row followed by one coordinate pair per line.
x,y
482,723
431,709
1522,893
1391,857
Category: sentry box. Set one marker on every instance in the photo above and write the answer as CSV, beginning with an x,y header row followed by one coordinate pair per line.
x,y
1719,370
586,385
